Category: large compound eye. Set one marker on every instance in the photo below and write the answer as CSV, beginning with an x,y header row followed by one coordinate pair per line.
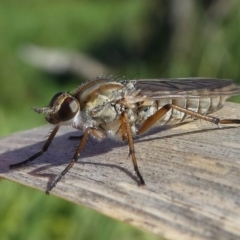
x,y
68,109
55,97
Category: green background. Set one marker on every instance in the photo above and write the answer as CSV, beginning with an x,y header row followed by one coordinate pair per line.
x,y
147,39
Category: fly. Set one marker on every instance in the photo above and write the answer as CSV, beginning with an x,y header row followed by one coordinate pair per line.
x,y
121,110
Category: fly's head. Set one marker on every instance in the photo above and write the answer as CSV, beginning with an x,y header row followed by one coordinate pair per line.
x,y
62,109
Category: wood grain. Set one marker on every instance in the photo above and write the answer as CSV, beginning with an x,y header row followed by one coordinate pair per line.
x,y
192,175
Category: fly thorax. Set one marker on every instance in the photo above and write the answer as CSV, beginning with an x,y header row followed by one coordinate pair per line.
x,y
119,108
129,85
81,121
104,113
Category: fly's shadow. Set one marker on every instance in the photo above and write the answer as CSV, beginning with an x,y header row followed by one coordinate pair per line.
x,y
61,152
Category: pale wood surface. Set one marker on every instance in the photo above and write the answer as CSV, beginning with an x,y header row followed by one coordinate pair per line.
x,y
192,174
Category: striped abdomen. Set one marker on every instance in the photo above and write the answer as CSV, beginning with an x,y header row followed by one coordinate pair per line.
x,y
200,105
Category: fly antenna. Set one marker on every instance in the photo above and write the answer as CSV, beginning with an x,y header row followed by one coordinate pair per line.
x,y
42,110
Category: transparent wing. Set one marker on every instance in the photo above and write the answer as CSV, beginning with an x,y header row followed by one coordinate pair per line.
x,y
186,88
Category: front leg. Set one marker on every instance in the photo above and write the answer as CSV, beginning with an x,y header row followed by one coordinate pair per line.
x,y
38,154
127,134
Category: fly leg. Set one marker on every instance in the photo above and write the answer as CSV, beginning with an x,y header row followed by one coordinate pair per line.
x,y
162,111
89,131
126,132
38,154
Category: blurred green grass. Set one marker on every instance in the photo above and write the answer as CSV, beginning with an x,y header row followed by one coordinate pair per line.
x,y
147,38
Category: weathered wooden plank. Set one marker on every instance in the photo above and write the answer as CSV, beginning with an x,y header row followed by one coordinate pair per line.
x,y
192,174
